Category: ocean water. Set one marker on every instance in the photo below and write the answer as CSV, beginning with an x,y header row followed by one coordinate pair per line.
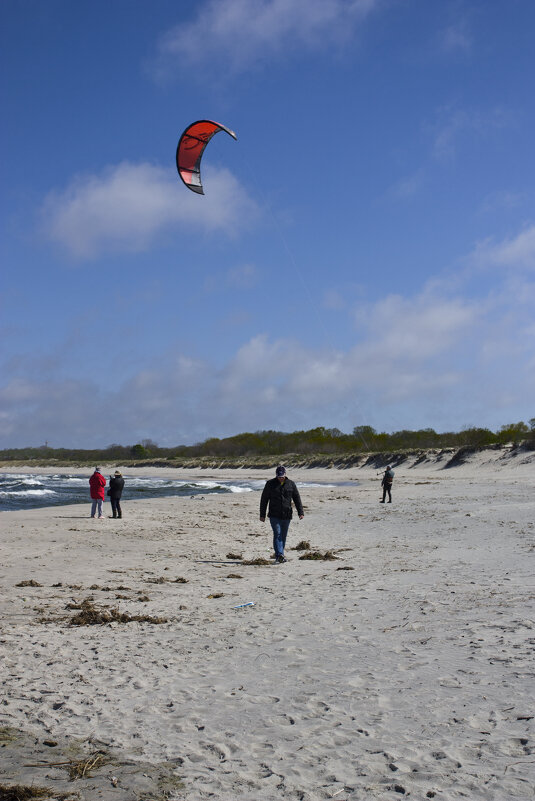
x,y
30,491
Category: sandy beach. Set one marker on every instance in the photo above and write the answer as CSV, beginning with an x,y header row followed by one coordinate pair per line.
x,y
404,667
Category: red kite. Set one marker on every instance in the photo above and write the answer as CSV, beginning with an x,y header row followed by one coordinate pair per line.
x,y
190,149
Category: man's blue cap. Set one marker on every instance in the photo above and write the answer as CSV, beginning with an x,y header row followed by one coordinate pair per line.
x,y
280,471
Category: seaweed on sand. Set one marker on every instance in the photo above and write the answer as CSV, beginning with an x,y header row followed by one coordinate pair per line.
x,y
304,545
258,562
328,556
28,583
7,735
22,792
89,615
234,556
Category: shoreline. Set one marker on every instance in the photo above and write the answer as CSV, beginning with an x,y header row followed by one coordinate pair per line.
x,y
404,666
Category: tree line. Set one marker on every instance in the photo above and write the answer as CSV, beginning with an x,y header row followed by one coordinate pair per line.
x,y
315,441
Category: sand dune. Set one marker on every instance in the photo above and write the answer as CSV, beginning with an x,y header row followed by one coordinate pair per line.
x,y
403,668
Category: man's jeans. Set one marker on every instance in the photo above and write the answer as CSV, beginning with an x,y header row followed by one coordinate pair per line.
x,y
280,530
94,505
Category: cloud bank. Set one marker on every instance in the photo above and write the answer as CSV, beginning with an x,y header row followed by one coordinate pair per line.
x,y
414,362
126,206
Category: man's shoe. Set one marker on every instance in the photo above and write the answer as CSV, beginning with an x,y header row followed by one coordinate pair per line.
x,y
281,559
381,501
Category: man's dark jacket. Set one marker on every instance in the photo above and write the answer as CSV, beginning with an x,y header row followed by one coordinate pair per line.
x,y
116,487
280,496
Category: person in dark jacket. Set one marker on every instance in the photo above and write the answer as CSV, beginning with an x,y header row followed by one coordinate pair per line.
x,y
386,484
97,482
279,493
115,492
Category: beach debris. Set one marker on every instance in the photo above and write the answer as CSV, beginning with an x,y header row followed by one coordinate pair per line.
x,y
242,606
304,545
91,616
28,583
8,735
345,567
231,555
327,556
22,792
216,595
258,562
234,575
180,580
78,770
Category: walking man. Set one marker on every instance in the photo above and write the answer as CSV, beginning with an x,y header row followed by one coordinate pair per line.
x,y
279,493
386,484
97,482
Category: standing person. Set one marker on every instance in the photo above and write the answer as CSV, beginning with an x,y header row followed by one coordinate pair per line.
x,y
279,493
97,482
386,483
115,491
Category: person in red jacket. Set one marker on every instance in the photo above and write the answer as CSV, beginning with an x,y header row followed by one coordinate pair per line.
x,y
97,482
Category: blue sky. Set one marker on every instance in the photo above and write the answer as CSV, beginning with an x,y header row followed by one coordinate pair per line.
x,y
363,254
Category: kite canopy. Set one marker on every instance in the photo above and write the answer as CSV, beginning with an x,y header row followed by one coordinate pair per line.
x,y
190,149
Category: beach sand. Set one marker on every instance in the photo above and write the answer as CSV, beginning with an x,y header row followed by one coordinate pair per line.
x,y
405,667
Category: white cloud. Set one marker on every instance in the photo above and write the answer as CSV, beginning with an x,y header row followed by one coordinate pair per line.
x,y
516,252
418,328
128,205
455,124
244,32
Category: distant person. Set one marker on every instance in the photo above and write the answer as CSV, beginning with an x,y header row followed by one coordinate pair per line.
x,y
115,491
279,493
97,482
386,484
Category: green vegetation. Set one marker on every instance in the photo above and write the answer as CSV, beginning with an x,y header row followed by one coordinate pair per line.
x,y
261,448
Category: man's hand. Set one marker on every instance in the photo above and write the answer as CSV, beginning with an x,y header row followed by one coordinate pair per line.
x,y
301,517
262,519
